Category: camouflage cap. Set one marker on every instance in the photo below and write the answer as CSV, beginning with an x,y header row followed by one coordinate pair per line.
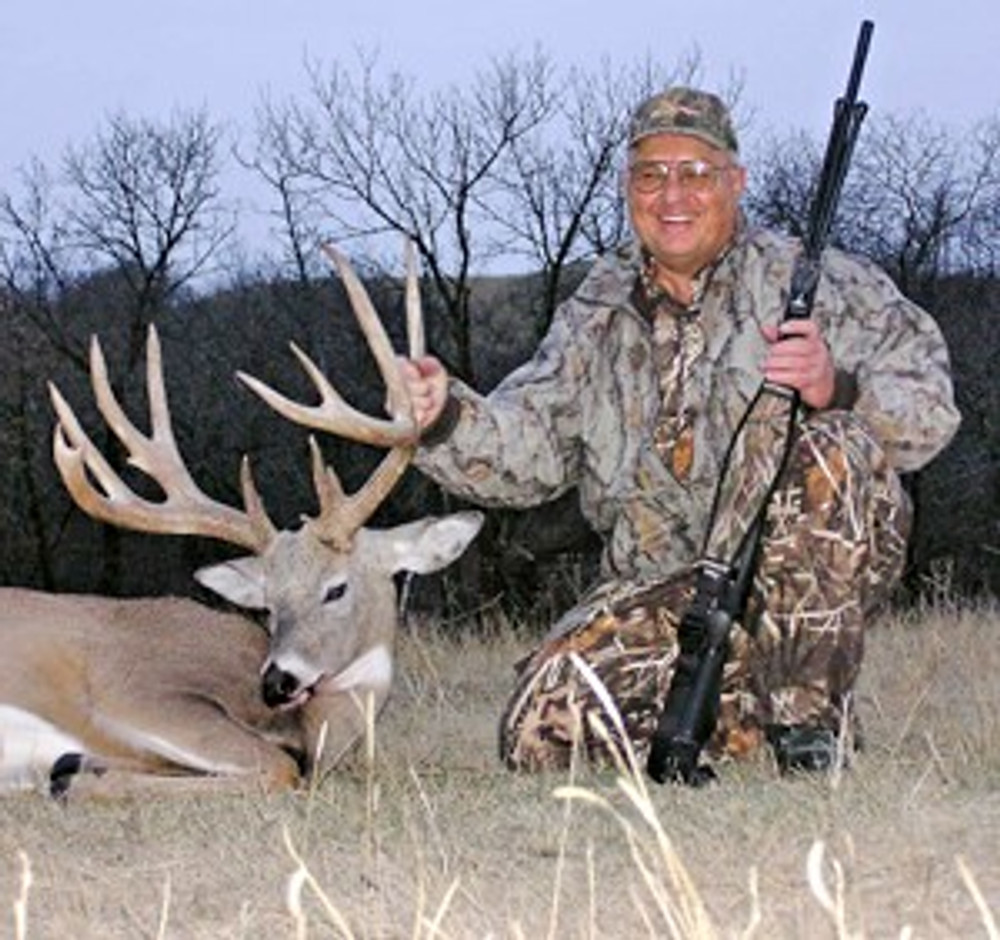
x,y
685,111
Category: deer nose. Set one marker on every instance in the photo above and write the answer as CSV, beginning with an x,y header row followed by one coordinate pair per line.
x,y
277,686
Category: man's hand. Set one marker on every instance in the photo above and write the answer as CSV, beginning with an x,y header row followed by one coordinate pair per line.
x,y
427,382
799,358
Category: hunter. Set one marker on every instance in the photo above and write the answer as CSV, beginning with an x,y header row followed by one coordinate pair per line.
x,y
633,397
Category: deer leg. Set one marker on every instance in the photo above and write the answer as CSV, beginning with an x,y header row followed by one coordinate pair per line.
x,y
204,748
79,778
336,724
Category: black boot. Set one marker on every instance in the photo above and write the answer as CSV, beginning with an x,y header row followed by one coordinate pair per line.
x,y
803,747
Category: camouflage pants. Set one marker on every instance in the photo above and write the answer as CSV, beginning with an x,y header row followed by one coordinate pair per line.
x,y
833,548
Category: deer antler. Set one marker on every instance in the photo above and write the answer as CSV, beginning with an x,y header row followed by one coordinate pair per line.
x,y
186,510
340,515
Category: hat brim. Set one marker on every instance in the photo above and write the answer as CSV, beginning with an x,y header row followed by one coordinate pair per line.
x,y
709,139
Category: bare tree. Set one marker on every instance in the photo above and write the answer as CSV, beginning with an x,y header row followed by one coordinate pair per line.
x,y
140,199
36,259
977,244
145,199
371,156
35,271
782,179
918,195
920,199
107,243
279,161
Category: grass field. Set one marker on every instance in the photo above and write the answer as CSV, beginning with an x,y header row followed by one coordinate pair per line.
x,y
424,835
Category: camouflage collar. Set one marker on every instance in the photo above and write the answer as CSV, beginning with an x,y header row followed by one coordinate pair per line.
x,y
649,298
616,279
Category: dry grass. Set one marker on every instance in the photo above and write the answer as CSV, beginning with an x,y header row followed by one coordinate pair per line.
x,y
427,837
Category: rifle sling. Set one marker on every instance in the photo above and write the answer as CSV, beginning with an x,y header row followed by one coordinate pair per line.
x,y
690,709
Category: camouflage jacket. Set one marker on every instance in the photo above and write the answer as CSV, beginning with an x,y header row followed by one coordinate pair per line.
x,y
587,408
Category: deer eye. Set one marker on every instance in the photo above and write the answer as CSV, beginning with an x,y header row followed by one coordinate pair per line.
x,y
334,592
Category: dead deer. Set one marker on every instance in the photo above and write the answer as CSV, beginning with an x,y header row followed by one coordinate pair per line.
x,y
112,695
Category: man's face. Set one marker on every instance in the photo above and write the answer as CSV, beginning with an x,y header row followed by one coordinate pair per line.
x,y
684,227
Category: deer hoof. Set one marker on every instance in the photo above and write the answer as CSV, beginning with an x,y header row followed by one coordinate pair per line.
x,y
67,767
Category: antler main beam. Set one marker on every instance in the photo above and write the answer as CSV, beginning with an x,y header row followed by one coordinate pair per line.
x,y
100,491
333,414
341,516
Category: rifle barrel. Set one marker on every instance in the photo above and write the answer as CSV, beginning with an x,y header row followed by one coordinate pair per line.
x,y
860,54
848,114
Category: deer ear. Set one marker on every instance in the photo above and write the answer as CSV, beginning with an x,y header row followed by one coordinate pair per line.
x,y
240,581
430,544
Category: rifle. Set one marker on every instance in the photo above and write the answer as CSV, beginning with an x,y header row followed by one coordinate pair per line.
x,y
722,588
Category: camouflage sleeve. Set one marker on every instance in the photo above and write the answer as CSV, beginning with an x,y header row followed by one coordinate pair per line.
x,y
895,356
516,446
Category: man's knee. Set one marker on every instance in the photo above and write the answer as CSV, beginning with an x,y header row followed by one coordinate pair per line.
x,y
842,511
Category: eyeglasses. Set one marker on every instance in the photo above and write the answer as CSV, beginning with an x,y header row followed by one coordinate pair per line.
x,y
692,176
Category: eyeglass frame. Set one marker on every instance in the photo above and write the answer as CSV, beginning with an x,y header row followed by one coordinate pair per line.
x,y
701,183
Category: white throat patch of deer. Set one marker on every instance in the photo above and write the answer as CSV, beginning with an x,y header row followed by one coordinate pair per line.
x,y
105,695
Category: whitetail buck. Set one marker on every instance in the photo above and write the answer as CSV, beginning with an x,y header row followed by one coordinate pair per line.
x,y
113,695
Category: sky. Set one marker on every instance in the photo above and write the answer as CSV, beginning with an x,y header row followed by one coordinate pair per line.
x,y
65,65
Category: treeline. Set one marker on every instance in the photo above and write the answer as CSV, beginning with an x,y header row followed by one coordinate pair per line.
x,y
135,227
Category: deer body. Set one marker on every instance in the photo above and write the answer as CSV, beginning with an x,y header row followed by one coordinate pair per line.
x,y
152,685
143,693
170,687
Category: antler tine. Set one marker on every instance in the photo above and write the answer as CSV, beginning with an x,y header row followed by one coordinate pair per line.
x,y
185,510
333,414
414,315
371,326
325,481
